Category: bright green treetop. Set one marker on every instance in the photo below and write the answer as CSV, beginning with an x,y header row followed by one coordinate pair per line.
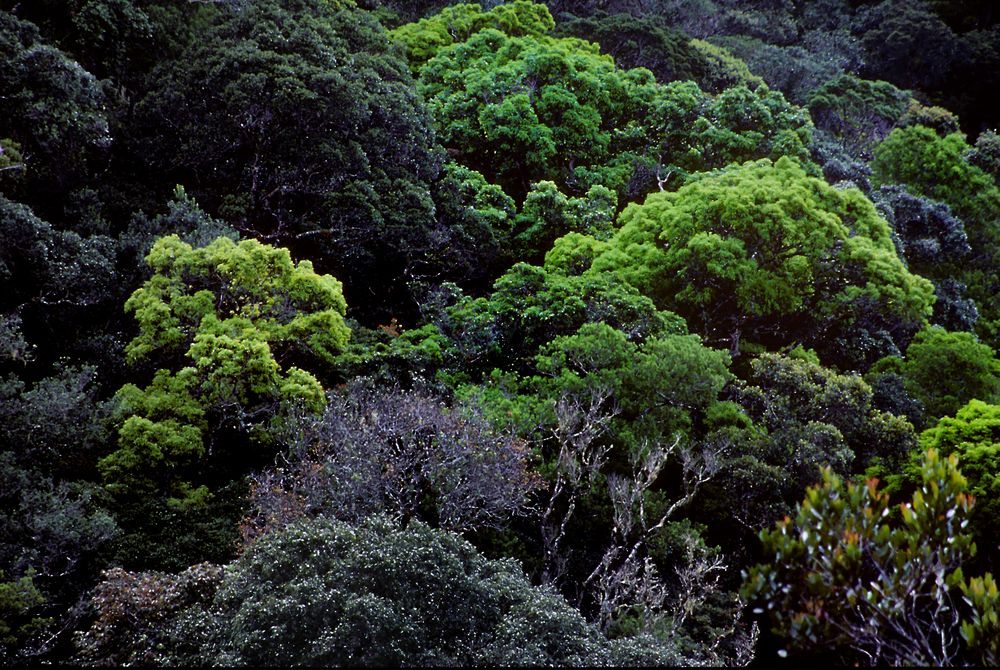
x,y
230,287
425,38
524,109
973,434
234,324
764,251
945,370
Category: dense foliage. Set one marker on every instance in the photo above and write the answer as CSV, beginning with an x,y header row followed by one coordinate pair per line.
x,y
371,332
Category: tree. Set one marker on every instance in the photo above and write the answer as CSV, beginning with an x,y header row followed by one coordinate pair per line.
x,y
635,41
107,37
847,581
524,109
619,428
724,70
234,322
985,154
690,131
532,305
402,454
522,106
938,167
298,124
907,45
17,598
475,223
934,244
944,370
818,418
795,67
912,47
55,281
764,252
54,109
425,38
132,613
860,113
973,435
54,524
322,592
547,214
932,239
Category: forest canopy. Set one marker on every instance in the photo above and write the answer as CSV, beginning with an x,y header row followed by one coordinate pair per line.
x,y
625,333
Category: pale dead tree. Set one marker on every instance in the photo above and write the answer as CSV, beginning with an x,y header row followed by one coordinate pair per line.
x,y
633,528
661,179
634,584
626,579
698,578
743,645
580,423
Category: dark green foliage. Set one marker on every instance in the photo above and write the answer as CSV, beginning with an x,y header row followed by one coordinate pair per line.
x,y
56,423
691,131
640,42
17,598
724,70
182,217
54,282
53,527
322,592
938,167
53,108
474,224
547,214
985,154
159,532
941,120
933,243
779,428
659,387
907,44
534,359
297,122
953,309
839,167
962,15
107,37
818,418
795,70
857,112
931,239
